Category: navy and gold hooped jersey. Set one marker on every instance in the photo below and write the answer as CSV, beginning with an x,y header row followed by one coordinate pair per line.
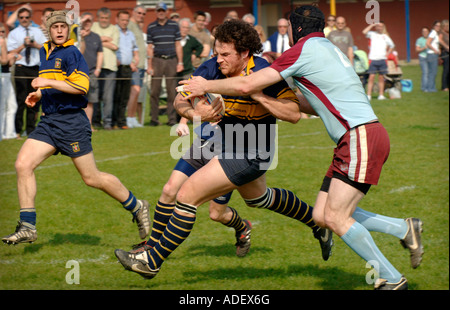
x,y
243,109
65,63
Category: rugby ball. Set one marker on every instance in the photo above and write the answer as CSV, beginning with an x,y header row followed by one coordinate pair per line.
x,y
210,97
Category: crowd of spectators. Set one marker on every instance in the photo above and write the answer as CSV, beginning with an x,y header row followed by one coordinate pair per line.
x,y
129,61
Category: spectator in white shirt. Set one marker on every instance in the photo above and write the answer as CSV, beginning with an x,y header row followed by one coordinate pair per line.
x,y
8,103
25,41
381,46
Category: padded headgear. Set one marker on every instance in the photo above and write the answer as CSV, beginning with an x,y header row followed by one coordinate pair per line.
x,y
56,17
308,17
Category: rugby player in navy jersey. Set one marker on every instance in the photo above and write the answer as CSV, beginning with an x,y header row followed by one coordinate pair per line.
x,y
219,209
64,128
233,165
328,81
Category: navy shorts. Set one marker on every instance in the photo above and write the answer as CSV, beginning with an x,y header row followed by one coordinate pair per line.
x,y
240,168
69,133
378,66
188,165
243,171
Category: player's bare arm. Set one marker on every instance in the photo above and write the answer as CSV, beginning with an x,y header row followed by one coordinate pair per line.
x,y
40,82
248,85
284,109
183,107
209,113
235,86
183,128
33,98
305,107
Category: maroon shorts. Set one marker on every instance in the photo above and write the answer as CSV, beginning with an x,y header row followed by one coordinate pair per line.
x,y
361,153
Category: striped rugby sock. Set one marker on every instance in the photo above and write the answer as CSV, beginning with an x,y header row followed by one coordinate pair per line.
x,y
177,230
236,221
163,212
286,203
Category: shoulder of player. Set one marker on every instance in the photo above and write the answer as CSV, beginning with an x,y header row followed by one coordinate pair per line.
x,y
71,49
209,70
259,63
72,54
309,41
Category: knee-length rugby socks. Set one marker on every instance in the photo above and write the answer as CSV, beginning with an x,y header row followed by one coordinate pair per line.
x,y
375,222
236,221
359,240
131,204
286,203
28,217
163,212
177,230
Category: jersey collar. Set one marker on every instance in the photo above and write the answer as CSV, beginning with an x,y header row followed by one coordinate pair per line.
x,y
312,35
48,44
250,65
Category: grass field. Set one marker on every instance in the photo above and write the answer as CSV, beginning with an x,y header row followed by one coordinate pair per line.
x,y
82,224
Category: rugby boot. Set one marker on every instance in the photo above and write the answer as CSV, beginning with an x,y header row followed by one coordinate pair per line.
x,y
413,241
243,242
142,246
23,234
325,237
136,262
142,218
384,285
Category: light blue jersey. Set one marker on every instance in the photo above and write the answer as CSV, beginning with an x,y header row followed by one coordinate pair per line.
x,y
313,62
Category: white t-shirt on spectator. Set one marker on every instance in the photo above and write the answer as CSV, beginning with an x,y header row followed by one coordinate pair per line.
x,y
435,42
378,45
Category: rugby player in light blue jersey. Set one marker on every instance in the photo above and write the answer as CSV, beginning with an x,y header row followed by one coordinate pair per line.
x,y
330,85
64,128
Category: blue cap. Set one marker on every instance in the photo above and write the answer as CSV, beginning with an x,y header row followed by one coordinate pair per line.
x,y
162,6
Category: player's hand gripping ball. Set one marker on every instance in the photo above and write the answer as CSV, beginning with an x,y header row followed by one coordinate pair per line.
x,y
210,97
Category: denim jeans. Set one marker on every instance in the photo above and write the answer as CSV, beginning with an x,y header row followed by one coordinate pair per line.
x,y
424,68
432,64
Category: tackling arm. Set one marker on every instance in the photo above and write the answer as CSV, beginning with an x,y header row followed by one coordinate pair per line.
x,y
305,107
235,86
284,109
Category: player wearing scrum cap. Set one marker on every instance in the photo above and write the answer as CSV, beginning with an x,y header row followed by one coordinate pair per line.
x,y
232,166
64,128
327,79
